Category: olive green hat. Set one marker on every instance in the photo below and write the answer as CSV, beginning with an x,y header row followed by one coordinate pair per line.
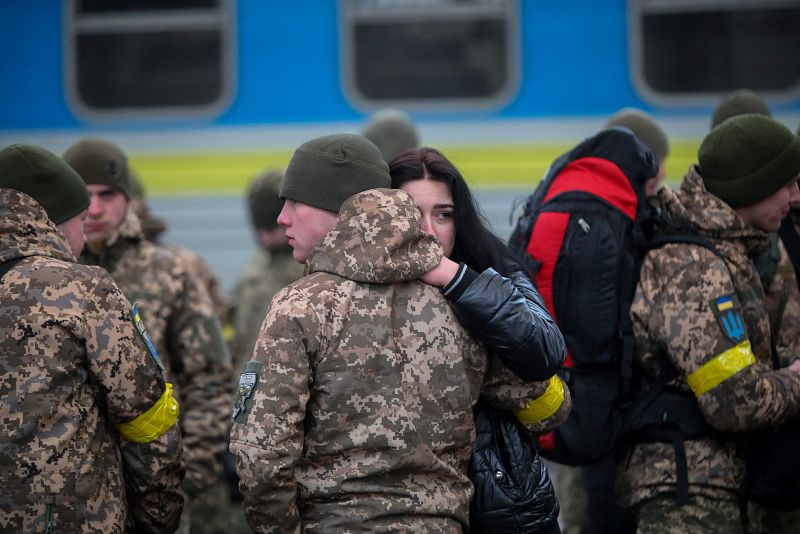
x,y
644,128
264,201
748,158
326,171
100,162
46,178
739,103
392,132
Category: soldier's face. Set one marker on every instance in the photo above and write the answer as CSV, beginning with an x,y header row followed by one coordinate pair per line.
x,y
107,209
767,214
435,203
305,225
73,231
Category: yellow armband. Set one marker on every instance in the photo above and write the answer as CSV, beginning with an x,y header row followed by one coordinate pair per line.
x,y
152,424
721,367
541,408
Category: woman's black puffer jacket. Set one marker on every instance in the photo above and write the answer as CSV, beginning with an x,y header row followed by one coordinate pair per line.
x,y
513,491
509,316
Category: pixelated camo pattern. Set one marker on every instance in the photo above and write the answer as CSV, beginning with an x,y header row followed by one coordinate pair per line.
x,y
362,418
73,366
181,321
673,319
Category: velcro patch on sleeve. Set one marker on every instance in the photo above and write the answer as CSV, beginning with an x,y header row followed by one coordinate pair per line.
x,y
137,322
243,397
729,317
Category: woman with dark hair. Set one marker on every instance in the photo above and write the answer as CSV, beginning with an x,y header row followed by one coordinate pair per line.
x,y
495,300
490,292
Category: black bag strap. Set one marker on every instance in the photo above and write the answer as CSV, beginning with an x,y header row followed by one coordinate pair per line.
x,y
8,265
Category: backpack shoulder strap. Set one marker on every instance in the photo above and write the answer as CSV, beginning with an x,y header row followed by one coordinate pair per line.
x,y
8,265
767,262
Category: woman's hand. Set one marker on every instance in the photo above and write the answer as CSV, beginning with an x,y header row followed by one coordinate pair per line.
x,y
441,275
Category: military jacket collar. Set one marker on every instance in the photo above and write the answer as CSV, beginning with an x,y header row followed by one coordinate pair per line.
x,y
26,230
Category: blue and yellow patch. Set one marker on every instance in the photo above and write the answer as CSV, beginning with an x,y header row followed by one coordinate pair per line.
x,y
729,317
137,322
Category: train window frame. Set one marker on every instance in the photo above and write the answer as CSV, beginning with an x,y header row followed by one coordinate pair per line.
x,y
222,18
422,11
636,11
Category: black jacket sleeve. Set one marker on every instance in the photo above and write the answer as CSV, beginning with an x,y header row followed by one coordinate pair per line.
x,y
509,316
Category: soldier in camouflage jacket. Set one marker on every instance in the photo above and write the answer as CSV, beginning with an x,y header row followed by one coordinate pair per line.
x,y
709,317
74,368
180,319
356,410
174,306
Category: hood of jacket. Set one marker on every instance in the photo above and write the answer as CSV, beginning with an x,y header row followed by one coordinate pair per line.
x,y
26,230
378,240
706,215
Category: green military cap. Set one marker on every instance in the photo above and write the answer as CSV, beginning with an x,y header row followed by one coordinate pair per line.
x,y
264,201
46,178
739,103
747,158
327,170
392,131
644,128
100,162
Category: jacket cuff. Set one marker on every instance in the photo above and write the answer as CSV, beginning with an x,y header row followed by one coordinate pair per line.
x,y
460,282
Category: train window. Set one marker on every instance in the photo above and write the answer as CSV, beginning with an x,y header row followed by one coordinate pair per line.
x,y
696,47
141,58
433,53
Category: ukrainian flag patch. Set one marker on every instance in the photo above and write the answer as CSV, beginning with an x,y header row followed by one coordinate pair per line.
x,y
729,317
137,322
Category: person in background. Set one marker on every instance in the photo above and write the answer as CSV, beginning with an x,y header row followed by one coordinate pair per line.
x,y
708,317
355,411
392,131
269,270
177,311
490,293
651,134
89,440
739,102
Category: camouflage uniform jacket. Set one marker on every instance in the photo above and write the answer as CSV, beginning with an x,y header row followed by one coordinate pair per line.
x,y
355,413
709,317
180,318
74,367
263,276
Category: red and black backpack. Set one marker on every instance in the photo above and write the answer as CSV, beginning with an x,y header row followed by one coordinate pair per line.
x,y
582,236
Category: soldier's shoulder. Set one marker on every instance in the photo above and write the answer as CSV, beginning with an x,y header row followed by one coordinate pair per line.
x,y
57,272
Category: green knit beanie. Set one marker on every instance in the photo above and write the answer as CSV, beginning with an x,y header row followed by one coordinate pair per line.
x,y
263,199
137,191
100,162
748,158
46,178
326,171
392,131
739,103
644,128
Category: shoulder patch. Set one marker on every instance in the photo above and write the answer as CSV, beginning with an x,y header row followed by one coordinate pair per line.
x,y
242,398
729,317
137,322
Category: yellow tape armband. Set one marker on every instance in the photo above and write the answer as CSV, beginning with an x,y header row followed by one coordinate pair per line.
x,y
721,367
152,424
545,406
